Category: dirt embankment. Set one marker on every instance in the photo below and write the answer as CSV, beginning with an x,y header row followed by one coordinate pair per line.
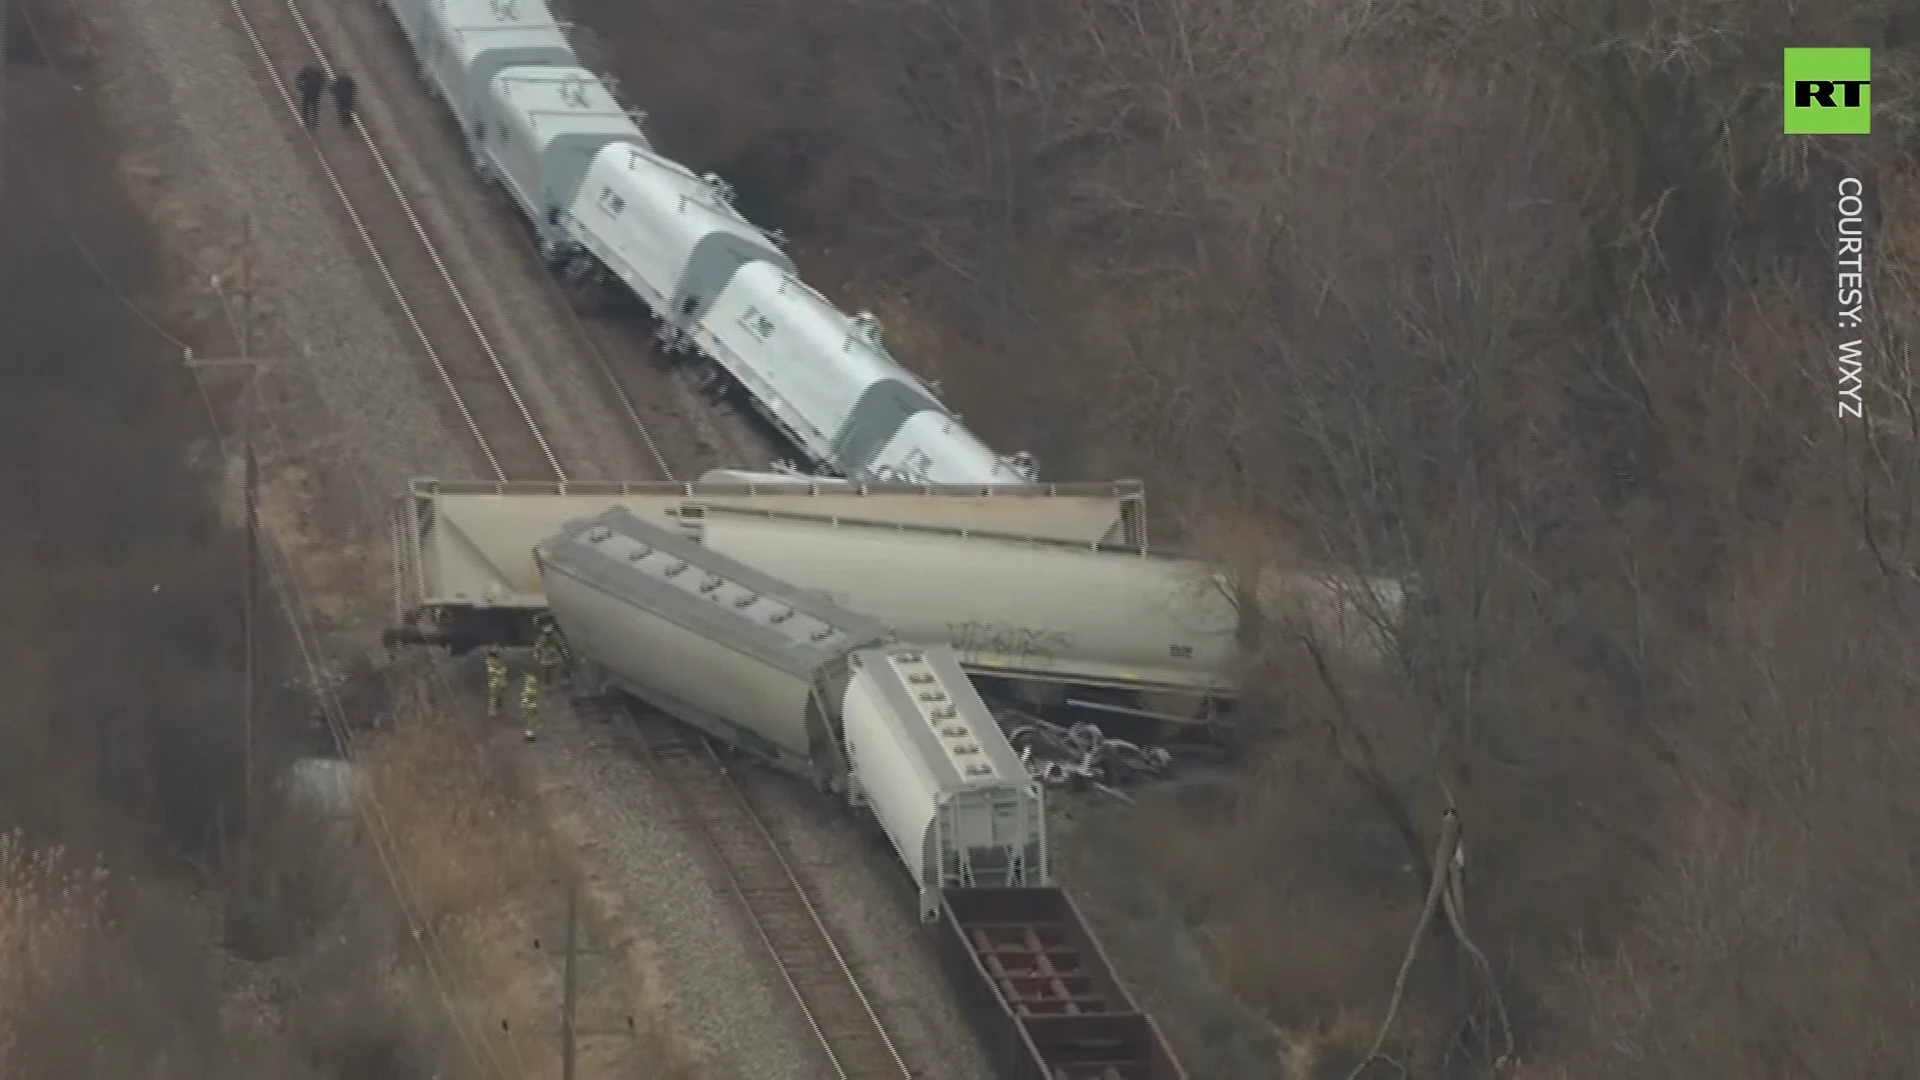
x,y
399,942
150,923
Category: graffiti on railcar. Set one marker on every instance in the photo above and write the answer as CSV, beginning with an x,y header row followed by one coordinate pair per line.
x,y
1005,639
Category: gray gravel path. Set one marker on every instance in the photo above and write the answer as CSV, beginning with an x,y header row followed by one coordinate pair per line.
x,y
216,145
219,149
726,989
549,357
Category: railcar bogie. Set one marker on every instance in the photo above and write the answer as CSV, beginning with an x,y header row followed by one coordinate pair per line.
x,y
707,640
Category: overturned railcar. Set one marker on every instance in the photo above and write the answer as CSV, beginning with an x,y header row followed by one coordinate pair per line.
x,y
711,642
808,687
1042,609
463,550
932,764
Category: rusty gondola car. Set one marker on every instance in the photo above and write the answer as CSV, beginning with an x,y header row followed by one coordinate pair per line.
x,y
1039,990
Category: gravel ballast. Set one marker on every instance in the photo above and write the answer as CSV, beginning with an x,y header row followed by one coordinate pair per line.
x,y
216,144
227,158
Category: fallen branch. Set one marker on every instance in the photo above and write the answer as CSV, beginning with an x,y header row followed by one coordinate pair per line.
x,y
1436,888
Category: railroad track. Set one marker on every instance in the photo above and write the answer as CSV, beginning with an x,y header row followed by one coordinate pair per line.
x,y
480,389
855,1043
852,1038
713,425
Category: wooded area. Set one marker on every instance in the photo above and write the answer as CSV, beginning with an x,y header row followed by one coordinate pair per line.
x,y
1530,301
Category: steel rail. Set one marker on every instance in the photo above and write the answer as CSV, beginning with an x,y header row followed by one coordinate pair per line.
x,y
354,214
857,1046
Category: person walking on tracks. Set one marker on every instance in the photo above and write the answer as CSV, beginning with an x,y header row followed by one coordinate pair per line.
x,y
549,652
496,681
310,84
343,90
529,705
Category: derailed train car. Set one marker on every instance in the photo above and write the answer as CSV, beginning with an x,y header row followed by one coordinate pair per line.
x,y
894,728
930,761
706,640
671,237
1038,608
463,550
810,687
827,381
539,131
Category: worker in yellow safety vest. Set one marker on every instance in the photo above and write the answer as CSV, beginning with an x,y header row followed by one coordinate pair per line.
x,y
529,705
496,681
549,652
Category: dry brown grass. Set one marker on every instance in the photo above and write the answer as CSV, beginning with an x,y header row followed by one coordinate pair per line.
x,y
50,916
474,847
149,924
474,878
131,942
648,986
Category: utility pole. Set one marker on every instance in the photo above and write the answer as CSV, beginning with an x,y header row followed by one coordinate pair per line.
x,y
4,6
250,480
240,324
568,986
570,1031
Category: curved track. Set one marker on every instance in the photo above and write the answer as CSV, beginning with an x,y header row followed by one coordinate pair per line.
x,y
856,1044
479,387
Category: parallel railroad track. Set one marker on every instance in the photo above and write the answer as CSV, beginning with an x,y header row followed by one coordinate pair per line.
x,y
479,387
852,1038
853,1041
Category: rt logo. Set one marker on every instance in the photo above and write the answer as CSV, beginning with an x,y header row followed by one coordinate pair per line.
x,y
1829,91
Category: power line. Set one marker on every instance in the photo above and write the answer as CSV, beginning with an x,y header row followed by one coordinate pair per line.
x,y
64,222
249,405
294,601
285,580
4,5
283,576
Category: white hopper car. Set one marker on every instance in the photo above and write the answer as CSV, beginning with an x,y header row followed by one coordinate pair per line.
x,y
538,134
463,550
808,686
714,643
831,387
928,759
462,44
671,237
718,284
1048,610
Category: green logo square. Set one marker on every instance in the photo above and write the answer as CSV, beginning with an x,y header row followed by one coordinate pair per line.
x,y
1828,91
